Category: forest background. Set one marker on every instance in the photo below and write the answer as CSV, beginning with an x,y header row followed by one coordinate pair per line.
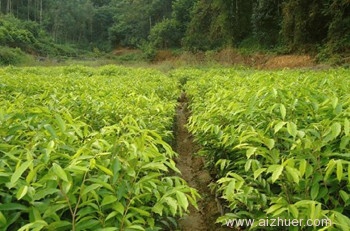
x,y
90,28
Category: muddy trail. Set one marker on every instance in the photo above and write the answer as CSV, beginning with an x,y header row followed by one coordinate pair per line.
x,y
194,172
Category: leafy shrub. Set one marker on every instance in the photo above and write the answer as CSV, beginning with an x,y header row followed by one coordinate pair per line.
x,y
148,50
278,141
166,34
30,38
80,157
11,56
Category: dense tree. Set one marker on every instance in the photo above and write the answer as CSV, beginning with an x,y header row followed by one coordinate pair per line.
x,y
134,20
338,33
265,22
219,23
171,31
303,23
191,24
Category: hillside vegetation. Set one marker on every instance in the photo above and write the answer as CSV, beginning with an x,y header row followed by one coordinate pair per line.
x,y
318,28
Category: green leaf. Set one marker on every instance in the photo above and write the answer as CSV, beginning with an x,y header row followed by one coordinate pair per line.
x,y
61,124
329,169
155,166
172,203
36,225
302,167
292,129
294,173
66,186
336,129
182,199
344,142
346,126
104,169
279,211
158,208
134,227
109,199
116,167
335,102
345,197
111,215
141,212
50,129
118,207
59,172
258,172
34,214
283,111
87,224
19,171
90,188
51,145
270,143
108,229
314,190
342,221
12,206
41,193
276,174
59,225
292,209
247,165
339,170
273,208
250,151
22,192
338,109
279,125
3,220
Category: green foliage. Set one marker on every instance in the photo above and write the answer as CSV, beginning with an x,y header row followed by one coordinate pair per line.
x,y
166,34
217,25
265,22
337,47
278,141
30,38
339,26
170,32
149,51
317,27
11,56
135,19
84,149
14,34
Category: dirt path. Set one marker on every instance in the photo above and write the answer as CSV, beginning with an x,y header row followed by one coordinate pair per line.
x,y
193,171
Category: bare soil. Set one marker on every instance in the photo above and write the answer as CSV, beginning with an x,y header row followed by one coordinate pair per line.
x,y
231,57
288,61
194,172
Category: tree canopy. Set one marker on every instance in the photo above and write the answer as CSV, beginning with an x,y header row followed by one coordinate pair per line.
x,y
194,25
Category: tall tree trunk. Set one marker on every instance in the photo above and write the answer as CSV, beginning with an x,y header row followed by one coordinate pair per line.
x,y
8,6
28,9
41,12
35,11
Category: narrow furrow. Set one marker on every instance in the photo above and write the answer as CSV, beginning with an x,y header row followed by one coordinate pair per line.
x,y
193,171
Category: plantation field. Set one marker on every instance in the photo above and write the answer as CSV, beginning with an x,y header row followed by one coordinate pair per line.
x,y
85,148
278,143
